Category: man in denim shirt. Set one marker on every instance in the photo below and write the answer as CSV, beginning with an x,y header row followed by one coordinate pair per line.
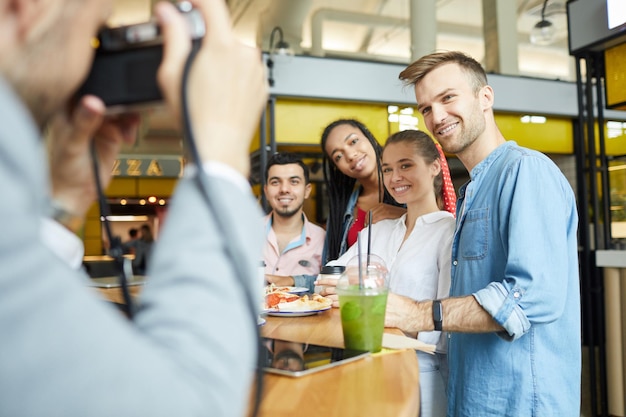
x,y
513,315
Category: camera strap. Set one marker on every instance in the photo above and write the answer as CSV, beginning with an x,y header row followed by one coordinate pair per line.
x,y
233,249
116,251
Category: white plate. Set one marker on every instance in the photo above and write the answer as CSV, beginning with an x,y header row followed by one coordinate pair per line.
x,y
261,321
299,313
297,290
294,290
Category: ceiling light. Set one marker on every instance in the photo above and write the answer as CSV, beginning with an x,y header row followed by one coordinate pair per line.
x,y
543,32
129,218
281,48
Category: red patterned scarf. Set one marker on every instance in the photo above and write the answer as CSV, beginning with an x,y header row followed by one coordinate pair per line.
x,y
448,193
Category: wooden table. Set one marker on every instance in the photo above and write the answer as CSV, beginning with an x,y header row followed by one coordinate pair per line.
x,y
385,384
115,294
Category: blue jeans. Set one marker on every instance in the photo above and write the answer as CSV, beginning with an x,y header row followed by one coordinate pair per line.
x,y
433,374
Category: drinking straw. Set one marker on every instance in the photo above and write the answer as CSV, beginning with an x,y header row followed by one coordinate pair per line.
x,y
358,247
369,237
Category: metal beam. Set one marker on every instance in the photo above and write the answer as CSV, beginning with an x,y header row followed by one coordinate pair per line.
x,y
375,82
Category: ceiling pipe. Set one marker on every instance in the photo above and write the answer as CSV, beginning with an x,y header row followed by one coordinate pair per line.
x,y
367,39
321,15
423,27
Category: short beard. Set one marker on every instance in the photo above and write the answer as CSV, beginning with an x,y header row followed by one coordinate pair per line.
x,y
472,129
289,213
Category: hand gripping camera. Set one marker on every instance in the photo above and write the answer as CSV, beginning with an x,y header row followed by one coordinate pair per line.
x,y
123,73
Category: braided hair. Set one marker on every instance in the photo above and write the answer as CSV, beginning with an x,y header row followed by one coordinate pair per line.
x,y
340,186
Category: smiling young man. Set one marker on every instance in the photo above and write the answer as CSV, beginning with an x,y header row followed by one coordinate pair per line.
x,y
293,248
513,315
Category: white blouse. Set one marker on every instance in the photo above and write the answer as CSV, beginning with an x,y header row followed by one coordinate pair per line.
x,y
419,268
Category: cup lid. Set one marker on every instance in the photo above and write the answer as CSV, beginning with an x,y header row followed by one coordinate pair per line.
x,y
332,269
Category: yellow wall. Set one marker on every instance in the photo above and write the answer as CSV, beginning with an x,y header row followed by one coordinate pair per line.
x,y
299,121
615,138
92,231
161,188
555,135
122,187
302,122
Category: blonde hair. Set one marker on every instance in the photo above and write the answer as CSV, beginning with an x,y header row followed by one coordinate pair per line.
x,y
415,72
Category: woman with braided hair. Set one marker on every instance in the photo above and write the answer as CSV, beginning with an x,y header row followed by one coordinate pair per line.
x,y
353,178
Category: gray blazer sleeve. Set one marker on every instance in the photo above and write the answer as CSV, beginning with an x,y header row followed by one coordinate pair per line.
x,y
193,286
64,352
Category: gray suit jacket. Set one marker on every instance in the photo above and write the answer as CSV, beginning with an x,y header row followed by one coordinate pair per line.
x,y
63,352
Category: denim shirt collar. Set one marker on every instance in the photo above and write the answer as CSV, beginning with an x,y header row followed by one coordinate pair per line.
x,y
476,176
489,160
348,217
352,202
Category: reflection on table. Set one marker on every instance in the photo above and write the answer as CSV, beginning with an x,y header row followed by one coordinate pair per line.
x,y
102,265
104,275
385,384
114,294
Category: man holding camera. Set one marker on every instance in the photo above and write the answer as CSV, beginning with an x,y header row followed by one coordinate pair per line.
x,y
191,348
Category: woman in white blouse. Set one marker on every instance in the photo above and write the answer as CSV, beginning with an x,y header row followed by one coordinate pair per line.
x,y
416,247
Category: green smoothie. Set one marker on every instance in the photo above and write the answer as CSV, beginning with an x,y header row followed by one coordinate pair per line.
x,y
363,318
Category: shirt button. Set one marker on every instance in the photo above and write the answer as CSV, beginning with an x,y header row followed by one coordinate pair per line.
x,y
516,294
454,263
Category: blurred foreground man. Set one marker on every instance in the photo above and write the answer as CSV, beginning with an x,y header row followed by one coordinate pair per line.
x,y
513,315
191,349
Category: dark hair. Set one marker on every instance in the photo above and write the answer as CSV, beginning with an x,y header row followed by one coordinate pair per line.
x,y
132,232
286,355
286,158
425,147
340,186
146,233
415,72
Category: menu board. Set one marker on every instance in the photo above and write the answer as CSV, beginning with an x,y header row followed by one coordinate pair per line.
x,y
615,77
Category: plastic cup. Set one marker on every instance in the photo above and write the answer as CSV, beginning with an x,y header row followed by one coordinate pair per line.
x,y
329,272
362,304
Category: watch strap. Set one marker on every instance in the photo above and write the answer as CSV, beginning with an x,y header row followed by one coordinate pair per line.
x,y
438,315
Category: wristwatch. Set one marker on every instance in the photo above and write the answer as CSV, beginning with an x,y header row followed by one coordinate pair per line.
x,y
438,315
66,218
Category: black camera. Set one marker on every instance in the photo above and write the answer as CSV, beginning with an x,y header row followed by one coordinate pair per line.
x,y
123,73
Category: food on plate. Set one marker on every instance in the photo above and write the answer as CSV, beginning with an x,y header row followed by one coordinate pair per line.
x,y
274,298
274,288
284,301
